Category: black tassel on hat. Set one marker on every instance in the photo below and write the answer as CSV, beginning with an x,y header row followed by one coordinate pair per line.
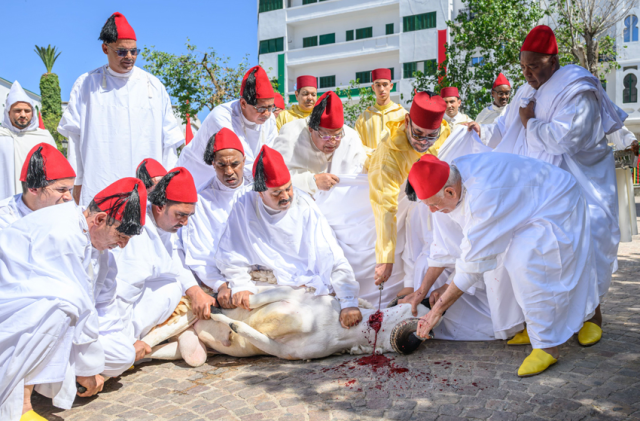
x,y
411,193
159,194
36,176
144,176
259,178
208,152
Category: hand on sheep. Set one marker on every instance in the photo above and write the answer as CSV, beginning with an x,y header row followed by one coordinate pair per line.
x,y
93,384
201,302
241,299
141,349
350,316
224,296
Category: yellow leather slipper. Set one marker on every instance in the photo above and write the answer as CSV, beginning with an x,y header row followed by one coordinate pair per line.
x,y
537,362
31,416
589,334
521,338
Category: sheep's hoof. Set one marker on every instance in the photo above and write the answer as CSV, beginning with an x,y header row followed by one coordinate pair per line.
x,y
233,327
403,338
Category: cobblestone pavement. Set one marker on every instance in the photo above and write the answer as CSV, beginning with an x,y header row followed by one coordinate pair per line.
x,y
446,381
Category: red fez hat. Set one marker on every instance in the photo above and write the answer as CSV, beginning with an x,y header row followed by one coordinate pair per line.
x,y
125,31
541,40
154,168
263,84
227,139
306,80
181,187
427,111
121,191
276,173
333,114
449,91
428,176
381,74
278,101
55,165
501,80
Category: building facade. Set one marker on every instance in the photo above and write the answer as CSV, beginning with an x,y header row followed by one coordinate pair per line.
x,y
342,40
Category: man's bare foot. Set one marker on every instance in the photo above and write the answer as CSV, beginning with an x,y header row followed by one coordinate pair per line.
x,y
597,317
553,351
26,404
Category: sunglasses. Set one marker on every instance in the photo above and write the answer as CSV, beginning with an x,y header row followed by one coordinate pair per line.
x,y
262,110
122,52
431,137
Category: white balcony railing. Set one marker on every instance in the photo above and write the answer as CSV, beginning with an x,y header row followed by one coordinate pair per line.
x,y
333,7
343,50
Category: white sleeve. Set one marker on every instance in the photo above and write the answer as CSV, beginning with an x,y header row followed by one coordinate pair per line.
x,y
70,127
491,134
576,127
305,182
172,136
445,247
185,277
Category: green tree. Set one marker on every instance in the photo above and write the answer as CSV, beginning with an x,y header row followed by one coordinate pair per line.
x,y
354,107
50,94
197,79
493,32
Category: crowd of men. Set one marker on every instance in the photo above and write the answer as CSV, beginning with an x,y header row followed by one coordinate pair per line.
x,y
516,243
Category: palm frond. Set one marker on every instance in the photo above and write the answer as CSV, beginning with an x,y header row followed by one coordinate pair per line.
x,y
48,55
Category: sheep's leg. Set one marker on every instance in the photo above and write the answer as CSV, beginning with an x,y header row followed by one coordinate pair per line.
x,y
192,350
257,339
270,296
169,351
165,331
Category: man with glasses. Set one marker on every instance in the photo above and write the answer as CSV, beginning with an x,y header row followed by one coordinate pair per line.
x,y
318,148
500,92
453,115
249,117
118,115
372,123
306,95
422,131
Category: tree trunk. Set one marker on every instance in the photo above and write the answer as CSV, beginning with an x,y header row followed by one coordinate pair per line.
x,y
592,54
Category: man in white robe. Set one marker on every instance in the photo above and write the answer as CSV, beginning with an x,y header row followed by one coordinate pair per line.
x,y
531,215
320,147
500,92
152,277
47,180
562,116
279,228
200,238
59,321
452,115
248,117
118,114
18,134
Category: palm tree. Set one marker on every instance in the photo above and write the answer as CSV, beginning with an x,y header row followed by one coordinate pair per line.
x,y
50,93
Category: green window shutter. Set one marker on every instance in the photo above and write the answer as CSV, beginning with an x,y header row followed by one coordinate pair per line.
x,y
309,1
363,77
431,20
272,45
408,24
364,33
430,67
350,35
269,5
327,81
327,39
419,22
389,29
392,73
310,42
408,69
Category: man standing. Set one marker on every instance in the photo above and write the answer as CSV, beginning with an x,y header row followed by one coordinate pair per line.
x,y
248,117
150,171
533,216
200,238
47,180
18,134
500,92
453,115
59,321
422,130
562,117
280,228
306,95
151,275
316,150
372,123
118,114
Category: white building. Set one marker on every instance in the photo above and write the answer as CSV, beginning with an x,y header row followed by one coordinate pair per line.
x,y
342,40
5,87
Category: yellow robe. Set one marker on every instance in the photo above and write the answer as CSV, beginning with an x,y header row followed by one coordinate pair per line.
x,y
372,123
388,169
287,116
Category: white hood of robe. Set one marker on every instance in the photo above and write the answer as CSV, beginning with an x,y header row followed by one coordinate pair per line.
x,y
17,94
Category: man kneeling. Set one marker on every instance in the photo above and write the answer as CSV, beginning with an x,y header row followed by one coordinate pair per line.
x,y
279,227
533,216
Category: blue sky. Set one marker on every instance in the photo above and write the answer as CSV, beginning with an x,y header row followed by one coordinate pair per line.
x,y
229,27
